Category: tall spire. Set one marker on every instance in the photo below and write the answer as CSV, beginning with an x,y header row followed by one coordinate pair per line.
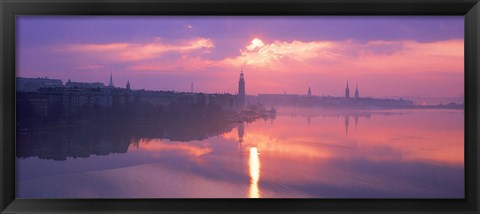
x,y
347,91
111,80
357,95
128,85
309,93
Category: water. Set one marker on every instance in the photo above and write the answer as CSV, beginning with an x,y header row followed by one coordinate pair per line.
x,y
302,153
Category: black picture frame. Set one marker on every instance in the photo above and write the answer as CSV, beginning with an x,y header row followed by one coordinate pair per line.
x,y
9,9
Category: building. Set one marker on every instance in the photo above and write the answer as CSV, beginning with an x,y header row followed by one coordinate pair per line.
x,y
71,84
38,102
309,93
277,99
33,84
241,90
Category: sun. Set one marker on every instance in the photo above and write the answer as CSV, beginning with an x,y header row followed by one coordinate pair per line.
x,y
256,42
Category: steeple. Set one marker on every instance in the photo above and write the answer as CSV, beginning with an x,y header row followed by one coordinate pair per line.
x,y
356,91
128,85
111,80
309,93
347,91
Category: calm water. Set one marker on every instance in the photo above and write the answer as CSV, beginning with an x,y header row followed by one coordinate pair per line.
x,y
302,153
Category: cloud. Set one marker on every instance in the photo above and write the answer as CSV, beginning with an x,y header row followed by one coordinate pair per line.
x,y
255,43
138,52
259,54
373,56
327,57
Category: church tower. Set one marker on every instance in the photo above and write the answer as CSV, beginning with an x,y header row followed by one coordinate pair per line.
x,y
357,95
347,91
111,81
241,90
128,85
309,93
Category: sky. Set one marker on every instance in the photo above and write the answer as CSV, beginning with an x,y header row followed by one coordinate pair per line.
x,y
388,56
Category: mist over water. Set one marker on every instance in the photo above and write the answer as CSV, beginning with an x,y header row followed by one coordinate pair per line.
x,y
302,153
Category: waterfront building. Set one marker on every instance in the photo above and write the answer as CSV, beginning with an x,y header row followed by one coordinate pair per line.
x,y
71,84
33,84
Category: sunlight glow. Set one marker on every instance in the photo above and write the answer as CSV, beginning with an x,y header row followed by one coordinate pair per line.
x,y
255,43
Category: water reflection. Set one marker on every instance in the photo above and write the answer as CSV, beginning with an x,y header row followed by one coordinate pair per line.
x,y
158,145
241,132
347,123
356,121
84,141
254,166
417,154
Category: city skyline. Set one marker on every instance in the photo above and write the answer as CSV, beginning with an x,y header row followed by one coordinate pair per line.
x,y
387,56
45,82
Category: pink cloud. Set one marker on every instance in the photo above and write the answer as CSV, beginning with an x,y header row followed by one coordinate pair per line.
x,y
258,54
344,56
138,52
95,47
326,57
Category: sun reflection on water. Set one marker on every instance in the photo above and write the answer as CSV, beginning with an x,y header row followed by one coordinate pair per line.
x,y
254,166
